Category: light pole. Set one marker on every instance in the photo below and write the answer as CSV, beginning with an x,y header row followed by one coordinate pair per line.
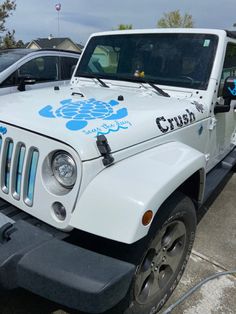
x,y
58,8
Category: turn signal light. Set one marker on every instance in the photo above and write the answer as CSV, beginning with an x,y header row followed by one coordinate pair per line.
x,y
147,217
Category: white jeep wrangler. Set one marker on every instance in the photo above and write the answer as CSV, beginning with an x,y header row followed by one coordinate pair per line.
x,y
101,182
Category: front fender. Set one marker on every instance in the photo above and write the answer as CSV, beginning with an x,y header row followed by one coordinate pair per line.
x,y
114,202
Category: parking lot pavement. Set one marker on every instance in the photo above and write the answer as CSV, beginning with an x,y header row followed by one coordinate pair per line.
x,y
214,251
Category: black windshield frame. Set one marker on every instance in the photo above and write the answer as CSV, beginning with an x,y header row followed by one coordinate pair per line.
x,y
171,48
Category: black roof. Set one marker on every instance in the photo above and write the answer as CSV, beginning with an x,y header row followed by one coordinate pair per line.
x,y
49,43
19,51
55,49
231,34
25,51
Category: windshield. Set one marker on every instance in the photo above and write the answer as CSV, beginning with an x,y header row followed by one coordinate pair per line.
x,y
182,60
7,58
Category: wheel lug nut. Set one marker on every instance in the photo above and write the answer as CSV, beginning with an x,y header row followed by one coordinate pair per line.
x,y
163,259
152,264
164,249
155,269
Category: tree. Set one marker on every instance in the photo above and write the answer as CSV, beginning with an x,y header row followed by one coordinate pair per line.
x,y
125,26
6,9
174,19
9,41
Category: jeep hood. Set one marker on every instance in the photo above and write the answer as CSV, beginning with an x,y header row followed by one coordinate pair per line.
x,y
125,116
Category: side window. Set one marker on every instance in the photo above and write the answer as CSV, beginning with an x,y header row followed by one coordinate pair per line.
x,y
10,81
42,69
67,67
229,68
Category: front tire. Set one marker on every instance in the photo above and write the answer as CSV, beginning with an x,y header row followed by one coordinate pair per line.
x,y
166,257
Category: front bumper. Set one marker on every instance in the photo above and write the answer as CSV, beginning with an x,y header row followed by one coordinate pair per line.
x,y
45,264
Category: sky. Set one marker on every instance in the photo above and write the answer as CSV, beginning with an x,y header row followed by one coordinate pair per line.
x,y
78,19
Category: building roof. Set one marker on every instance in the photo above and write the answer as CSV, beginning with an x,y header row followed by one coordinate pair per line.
x,y
52,42
80,46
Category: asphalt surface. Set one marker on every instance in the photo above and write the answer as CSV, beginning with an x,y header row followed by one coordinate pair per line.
x,y
214,251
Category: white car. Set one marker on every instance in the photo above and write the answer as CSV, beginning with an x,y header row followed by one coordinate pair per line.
x,y
26,69
101,181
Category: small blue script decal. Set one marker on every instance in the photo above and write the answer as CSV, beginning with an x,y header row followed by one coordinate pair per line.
x,y
80,112
233,91
3,130
107,128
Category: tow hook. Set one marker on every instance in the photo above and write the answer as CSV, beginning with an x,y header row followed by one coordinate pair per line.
x,y
6,231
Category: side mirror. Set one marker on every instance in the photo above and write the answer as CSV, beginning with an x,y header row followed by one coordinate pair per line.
x,y
221,108
25,80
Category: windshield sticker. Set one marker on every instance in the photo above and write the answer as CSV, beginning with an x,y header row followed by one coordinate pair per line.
x,y
206,43
166,125
3,130
79,113
198,106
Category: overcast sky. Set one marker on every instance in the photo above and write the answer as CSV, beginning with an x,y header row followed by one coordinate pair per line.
x,y
79,18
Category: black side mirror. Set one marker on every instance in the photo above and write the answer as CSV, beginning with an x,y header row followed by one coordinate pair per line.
x,y
25,80
221,108
229,93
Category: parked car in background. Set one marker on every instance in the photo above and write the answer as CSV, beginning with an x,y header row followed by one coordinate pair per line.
x,y
26,69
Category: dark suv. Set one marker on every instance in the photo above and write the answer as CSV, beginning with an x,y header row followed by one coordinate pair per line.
x,y
26,69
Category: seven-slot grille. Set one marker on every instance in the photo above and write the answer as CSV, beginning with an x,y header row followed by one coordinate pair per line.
x,y
18,169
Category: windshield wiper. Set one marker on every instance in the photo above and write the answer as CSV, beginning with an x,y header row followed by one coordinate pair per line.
x,y
158,89
100,81
95,78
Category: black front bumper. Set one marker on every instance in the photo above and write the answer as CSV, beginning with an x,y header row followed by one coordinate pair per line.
x,y
46,265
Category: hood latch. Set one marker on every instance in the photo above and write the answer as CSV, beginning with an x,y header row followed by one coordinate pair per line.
x,y
105,150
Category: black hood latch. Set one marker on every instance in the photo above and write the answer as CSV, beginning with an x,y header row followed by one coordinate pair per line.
x,y
105,150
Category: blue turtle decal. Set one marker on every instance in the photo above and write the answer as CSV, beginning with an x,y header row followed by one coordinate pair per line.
x,y
80,112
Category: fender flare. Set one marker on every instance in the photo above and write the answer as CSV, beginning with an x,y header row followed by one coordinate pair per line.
x,y
113,204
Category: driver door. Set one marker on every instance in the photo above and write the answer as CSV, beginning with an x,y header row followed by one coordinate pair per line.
x,y
223,123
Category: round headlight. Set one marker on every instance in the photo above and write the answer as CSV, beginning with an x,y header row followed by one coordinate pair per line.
x,y
64,169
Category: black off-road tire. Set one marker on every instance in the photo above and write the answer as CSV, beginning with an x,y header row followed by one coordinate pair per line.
x,y
171,239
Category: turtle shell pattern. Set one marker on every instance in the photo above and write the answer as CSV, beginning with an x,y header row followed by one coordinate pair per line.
x,y
80,112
